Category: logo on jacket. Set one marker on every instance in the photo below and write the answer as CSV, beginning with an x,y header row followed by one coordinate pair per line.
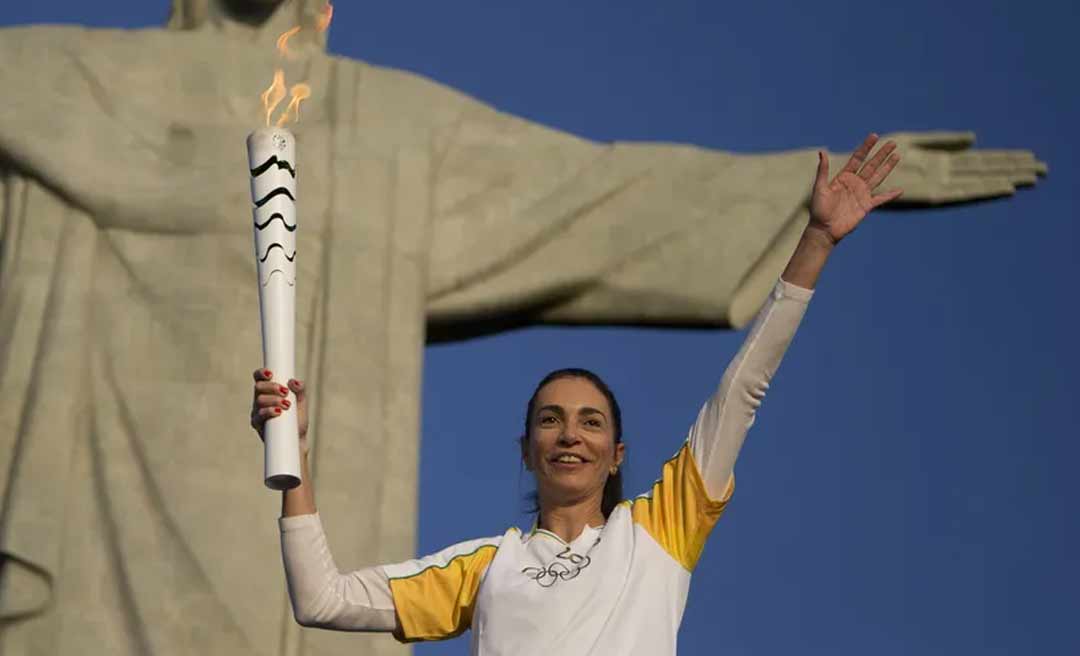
x,y
567,565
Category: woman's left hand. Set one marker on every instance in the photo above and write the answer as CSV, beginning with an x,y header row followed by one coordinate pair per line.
x,y
837,207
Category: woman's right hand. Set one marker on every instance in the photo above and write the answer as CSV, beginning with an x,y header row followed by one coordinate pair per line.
x,y
270,400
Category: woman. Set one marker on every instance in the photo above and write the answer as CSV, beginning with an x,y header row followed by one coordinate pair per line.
x,y
598,575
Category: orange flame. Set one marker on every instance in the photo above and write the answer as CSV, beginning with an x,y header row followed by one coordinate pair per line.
x,y
299,92
273,96
283,42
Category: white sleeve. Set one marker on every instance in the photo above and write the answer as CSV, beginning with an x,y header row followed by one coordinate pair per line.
x,y
721,426
322,596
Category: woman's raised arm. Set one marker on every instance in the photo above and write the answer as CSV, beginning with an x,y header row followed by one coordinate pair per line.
x,y
837,207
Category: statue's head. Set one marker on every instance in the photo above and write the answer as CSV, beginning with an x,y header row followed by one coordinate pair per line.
x,y
190,14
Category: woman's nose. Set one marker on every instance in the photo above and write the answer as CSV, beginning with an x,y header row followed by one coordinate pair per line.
x,y
568,437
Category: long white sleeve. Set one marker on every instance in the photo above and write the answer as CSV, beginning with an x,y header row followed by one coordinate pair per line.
x,y
721,426
322,596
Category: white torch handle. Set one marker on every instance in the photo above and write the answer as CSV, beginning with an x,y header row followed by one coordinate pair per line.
x,y
272,161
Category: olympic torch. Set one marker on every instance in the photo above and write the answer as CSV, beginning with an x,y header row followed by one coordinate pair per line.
x,y
271,160
272,163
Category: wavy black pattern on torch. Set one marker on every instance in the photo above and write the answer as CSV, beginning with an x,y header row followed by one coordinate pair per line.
x,y
272,247
276,215
273,161
277,192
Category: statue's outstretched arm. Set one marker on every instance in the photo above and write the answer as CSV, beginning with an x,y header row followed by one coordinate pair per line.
x,y
533,225
537,226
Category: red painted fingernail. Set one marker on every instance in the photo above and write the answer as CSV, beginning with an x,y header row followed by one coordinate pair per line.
x,y
283,390
286,403
266,373
277,411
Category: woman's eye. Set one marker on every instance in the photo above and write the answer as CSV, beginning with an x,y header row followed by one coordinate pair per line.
x,y
544,421
595,423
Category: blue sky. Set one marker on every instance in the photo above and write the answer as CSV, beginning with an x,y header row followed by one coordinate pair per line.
x,y
909,486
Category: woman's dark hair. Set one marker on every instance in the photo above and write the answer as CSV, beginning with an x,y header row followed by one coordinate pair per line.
x,y
613,488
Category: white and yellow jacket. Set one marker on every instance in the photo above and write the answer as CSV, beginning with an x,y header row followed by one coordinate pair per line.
x,y
619,588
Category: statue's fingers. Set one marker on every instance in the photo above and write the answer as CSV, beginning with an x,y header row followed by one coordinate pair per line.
x,y
978,189
883,171
870,169
947,140
1023,179
993,161
859,156
1020,166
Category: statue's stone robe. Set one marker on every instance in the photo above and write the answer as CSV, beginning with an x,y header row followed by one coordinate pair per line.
x,y
134,519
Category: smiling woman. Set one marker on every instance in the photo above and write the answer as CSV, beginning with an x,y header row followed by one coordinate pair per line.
x,y
574,423
597,574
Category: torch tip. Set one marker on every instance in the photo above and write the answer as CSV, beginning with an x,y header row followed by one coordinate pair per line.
x,y
271,132
264,142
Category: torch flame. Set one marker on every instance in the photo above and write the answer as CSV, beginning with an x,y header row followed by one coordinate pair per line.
x,y
273,96
283,42
299,92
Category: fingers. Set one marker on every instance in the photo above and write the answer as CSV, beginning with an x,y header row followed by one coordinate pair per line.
x,y
265,385
957,191
873,167
270,387
986,188
259,417
269,403
822,179
270,399
881,171
1019,166
859,156
947,140
887,197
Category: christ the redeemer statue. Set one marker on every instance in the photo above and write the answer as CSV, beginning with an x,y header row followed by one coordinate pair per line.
x,y
128,310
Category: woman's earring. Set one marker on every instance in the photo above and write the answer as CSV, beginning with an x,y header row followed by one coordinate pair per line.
x,y
613,471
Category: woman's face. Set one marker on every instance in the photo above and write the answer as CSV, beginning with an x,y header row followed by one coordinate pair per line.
x,y
571,447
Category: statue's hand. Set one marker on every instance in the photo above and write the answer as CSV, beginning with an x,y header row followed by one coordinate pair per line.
x,y
837,207
941,167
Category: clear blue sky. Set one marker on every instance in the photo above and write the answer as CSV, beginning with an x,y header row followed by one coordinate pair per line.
x,y
910,485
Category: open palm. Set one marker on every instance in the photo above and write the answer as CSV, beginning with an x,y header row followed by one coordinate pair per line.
x,y
838,206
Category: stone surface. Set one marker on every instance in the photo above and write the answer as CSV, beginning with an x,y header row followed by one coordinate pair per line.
x,y
134,520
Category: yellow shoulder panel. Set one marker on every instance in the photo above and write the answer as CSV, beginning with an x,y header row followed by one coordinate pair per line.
x,y
437,602
678,512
